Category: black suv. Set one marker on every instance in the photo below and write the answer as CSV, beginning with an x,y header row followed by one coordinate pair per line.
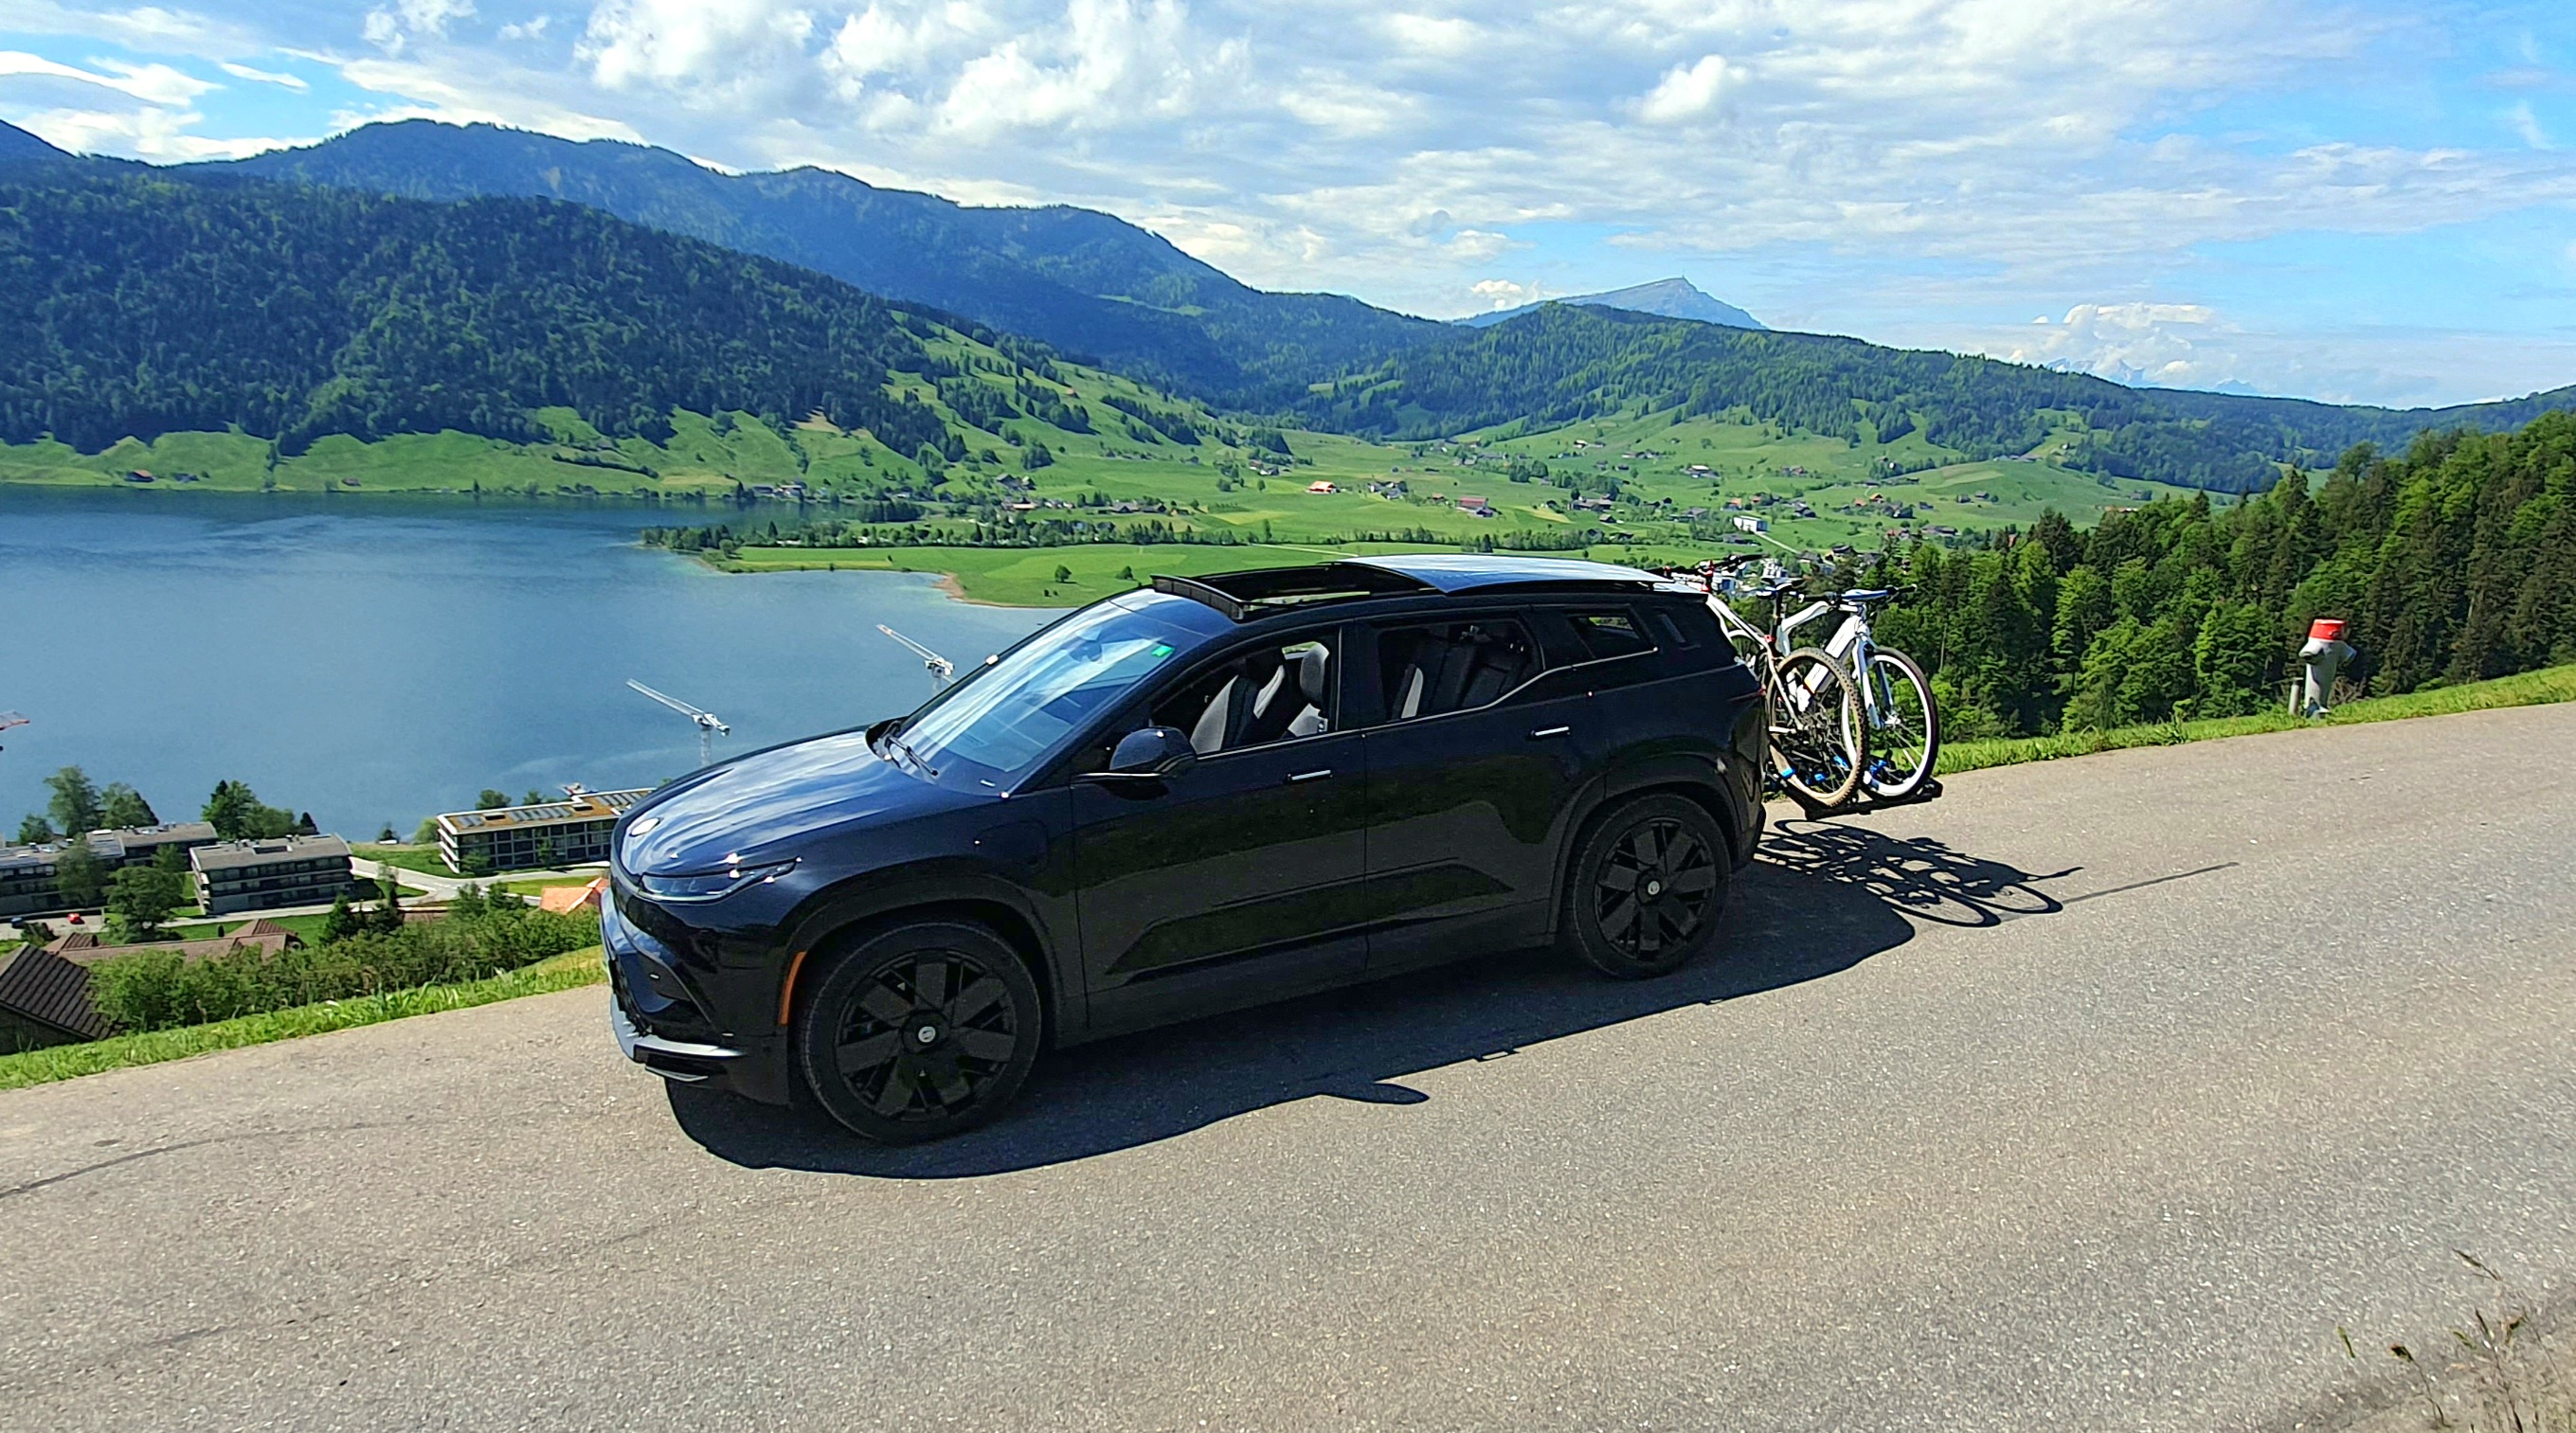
x,y
1186,799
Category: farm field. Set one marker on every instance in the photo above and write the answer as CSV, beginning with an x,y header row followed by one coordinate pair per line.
x,y
1075,444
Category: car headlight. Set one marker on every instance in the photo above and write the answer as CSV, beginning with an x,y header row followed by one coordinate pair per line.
x,y
712,885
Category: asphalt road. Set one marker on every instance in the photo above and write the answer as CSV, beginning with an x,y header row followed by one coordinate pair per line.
x,y
2095,1095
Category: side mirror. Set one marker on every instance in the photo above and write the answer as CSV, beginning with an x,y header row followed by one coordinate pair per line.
x,y
1151,752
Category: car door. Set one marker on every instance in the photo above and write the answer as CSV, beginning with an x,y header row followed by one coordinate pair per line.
x,y
1232,880
1475,751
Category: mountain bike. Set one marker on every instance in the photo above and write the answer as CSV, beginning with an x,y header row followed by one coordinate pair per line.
x,y
1819,750
1899,720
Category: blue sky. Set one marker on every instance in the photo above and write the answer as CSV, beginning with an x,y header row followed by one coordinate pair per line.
x,y
2361,202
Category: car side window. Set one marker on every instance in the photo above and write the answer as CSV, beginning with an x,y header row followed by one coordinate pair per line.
x,y
1274,692
1611,632
1433,668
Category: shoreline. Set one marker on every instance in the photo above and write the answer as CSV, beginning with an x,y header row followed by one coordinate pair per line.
x,y
955,590
456,497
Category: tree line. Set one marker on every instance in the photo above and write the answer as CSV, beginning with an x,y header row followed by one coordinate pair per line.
x,y
1564,364
2453,562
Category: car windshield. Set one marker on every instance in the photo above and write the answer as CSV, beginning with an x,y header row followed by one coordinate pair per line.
x,y
1007,717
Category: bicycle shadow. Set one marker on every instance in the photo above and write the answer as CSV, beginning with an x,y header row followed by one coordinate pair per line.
x,y
1824,897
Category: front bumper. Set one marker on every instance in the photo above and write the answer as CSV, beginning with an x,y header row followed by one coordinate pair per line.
x,y
663,1024
686,1062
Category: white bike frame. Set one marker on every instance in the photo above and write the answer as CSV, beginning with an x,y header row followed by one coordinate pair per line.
x,y
1856,648
1852,645
1774,644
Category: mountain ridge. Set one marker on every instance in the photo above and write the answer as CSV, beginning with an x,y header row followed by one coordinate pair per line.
x,y
1085,282
1675,297
1193,333
16,143
1562,364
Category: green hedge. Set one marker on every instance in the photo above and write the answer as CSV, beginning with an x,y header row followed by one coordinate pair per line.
x,y
159,991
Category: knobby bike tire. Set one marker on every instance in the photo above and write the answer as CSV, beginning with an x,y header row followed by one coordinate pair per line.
x,y
1819,742
1891,745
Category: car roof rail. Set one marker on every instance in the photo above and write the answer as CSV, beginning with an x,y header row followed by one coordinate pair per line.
x,y
1267,591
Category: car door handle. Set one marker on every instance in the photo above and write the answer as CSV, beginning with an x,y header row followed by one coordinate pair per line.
x,y
1310,776
1543,733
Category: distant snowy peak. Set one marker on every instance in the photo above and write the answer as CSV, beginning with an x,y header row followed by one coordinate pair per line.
x,y
1664,298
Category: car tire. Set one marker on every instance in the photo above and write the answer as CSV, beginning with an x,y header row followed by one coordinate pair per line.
x,y
919,1031
1647,891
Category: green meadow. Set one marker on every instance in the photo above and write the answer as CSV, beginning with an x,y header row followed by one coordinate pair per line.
x,y
1669,481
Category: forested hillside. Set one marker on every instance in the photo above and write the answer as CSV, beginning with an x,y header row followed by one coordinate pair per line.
x,y
141,305
1088,283
1564,363
158,300
2453,563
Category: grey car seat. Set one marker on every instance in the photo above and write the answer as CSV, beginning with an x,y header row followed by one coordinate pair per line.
x,y
1232,710
1292,702
1462,672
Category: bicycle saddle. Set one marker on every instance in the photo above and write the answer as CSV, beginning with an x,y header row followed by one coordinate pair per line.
x,y
1867,594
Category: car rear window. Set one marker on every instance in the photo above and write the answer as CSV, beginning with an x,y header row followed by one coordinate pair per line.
x,y
1611,632
1686,624
1435,668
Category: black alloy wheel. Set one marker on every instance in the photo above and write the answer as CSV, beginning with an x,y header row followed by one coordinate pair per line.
x,y
920,1031
1649,888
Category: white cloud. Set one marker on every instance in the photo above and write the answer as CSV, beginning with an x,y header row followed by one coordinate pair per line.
x,y
152,84
264,77
2169,345
1113,63
884,39
1686,91
2527,125
1496,295
1937,168
497,95
1442,36
698,47
394,26
144,132
1349,110
145,27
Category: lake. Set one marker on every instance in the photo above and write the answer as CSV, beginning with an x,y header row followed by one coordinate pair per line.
x,y
384,662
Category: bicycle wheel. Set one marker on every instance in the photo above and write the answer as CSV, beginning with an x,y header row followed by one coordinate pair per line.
x,y
1904,726
1819,744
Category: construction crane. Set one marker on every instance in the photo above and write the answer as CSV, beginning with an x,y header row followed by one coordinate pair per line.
x,y
708,726
10,719
942,671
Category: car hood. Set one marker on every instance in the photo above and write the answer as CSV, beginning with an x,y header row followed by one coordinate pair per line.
x,y
747,807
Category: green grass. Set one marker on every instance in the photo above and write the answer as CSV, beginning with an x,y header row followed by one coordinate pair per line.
x,y
424,859
537,888
1025,576
63,1062
689,479
2552,684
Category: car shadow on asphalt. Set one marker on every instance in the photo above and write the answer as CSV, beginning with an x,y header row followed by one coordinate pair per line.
x,y
1825,896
